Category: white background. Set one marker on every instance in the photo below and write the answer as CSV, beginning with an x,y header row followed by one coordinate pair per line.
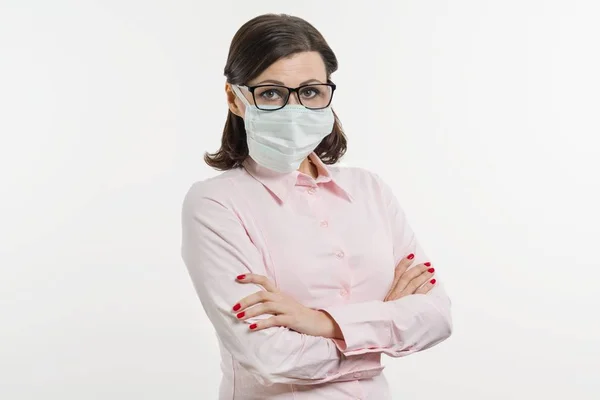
x,y
482,115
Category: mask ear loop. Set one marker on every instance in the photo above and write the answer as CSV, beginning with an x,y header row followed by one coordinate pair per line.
x,y
239,95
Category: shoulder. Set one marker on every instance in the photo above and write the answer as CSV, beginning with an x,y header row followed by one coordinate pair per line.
x,y
357,178
217,189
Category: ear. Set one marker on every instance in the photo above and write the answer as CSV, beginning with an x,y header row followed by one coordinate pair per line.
x,y
234,104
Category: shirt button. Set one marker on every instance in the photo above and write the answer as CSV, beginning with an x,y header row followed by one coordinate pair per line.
x,y
343,292
324,224
311,191
340,254
357,375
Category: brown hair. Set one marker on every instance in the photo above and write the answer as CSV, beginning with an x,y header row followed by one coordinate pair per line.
x,y
256,45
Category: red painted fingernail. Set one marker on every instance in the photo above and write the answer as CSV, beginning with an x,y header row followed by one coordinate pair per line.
x,y
432,281
241,315
427,264
237,307
240,277
253,326
410,256
431,270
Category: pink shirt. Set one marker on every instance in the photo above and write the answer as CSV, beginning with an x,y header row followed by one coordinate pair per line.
x,y
332,243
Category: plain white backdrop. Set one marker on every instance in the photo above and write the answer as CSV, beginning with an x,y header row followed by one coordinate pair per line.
x,y
482,115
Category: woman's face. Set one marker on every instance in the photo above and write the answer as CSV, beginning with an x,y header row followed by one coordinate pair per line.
x,y
296,70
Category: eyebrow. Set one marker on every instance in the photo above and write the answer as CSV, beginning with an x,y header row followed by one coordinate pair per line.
x,y
273,81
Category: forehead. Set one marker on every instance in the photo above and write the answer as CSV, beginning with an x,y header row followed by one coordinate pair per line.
x,y
296,69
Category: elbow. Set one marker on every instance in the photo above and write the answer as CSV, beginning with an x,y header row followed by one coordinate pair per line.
x,y
446,327
263,373
271,366
440,320
448,319
430,331
441,328
263,370
268,373
442,325
277,362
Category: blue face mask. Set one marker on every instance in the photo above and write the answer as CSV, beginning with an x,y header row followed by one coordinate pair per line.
x,y
280,140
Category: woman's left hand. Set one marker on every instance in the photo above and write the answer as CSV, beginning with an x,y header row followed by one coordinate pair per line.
x,y
286,311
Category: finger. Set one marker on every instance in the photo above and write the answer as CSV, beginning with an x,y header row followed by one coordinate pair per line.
x,y
410,275
426,287
259,280
255,298
399,270
278,320
418,281
269,307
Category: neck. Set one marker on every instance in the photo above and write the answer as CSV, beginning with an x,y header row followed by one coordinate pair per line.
x,y
308,168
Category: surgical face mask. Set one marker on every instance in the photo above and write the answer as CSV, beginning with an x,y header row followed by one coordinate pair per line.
x,y
280,140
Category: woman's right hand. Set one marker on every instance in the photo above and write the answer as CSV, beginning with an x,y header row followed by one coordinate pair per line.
x,y
417,280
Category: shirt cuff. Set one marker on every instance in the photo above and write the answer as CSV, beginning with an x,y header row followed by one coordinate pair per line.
x,y
366,327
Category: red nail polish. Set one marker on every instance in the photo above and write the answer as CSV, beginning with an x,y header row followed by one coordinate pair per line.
x,y
253,326
427,264
432,281
237,307
410,256
431,270
240,277
241,315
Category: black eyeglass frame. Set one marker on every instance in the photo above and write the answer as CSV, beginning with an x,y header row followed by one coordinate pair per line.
x,y
296,90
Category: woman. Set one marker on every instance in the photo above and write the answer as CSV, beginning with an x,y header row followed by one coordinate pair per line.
x,y
308,272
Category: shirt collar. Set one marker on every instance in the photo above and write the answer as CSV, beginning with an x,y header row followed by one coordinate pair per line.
x,y
282,184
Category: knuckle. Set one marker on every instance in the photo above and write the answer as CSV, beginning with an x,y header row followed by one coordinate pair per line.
x,y
416,272
262,308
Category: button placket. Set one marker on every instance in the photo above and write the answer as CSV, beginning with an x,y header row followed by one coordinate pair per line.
x,y
324,223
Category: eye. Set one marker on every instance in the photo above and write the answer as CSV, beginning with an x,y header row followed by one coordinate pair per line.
x,y
310,92
269,93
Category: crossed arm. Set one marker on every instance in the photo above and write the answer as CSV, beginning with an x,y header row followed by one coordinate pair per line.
x,y
216,249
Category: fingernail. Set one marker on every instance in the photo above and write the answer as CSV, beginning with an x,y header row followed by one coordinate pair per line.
x,y
427,264
432,281
253,326
240,277
410,256
241,315
431,270
237,307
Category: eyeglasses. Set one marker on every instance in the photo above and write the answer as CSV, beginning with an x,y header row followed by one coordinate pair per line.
x,y
275,97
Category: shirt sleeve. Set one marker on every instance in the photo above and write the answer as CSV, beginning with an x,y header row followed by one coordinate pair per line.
x,y
400,327
216,248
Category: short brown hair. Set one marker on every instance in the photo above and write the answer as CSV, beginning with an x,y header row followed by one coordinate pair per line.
x,y
257,44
